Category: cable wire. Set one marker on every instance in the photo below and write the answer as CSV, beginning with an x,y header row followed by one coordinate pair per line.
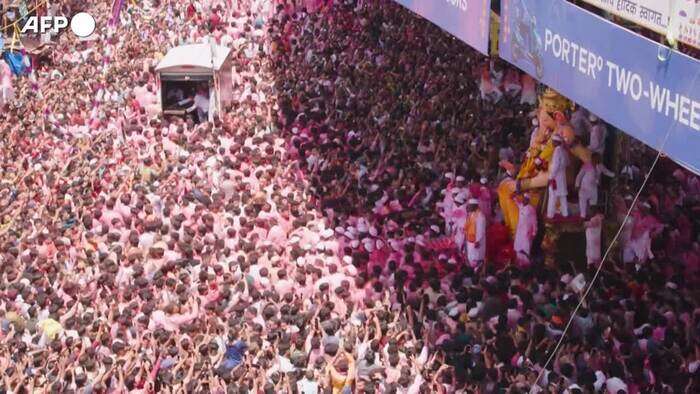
x,y
659,154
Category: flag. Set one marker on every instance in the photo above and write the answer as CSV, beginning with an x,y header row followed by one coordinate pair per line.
x,y
117,6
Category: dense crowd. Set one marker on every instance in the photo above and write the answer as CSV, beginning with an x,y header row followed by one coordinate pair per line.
x,y
296,242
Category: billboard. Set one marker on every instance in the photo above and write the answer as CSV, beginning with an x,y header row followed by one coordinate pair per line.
x,y
682,17
637,85
467,20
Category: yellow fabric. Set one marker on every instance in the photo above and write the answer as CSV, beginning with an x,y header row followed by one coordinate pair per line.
x,y
338,385
528,169
15,319
470,227
51,328
508,205
495,27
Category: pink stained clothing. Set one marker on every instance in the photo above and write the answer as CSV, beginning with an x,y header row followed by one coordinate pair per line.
x,y
334,281
109,215
277,235
485,201
529,94
597,138
173,322
393,374
260,231
588,177
6,73
557,171
526,230
123,210
512,81
357,295
228,186
644,226
308,237
284,286
378,257
476,251
594,229
486,84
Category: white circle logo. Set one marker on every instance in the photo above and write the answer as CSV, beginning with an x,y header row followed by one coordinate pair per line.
x,y
82,24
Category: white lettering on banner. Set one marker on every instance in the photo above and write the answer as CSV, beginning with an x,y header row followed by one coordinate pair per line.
x,y
678,107
625,81
631,84
582,59
695,115
461,4
672,105
658,96
684,111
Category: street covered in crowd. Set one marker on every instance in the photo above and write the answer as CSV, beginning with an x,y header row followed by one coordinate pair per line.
x,y
250,196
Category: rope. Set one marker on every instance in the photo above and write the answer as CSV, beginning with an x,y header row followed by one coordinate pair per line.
x,y
15,24
600,267
607,252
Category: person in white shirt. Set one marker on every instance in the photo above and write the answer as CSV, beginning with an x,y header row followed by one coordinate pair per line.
x,y
580,121
308,385
587,182
594,229
525,231
615,385
201,104
557,179
596,142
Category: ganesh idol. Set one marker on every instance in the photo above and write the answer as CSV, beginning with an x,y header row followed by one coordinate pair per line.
x,y
552,158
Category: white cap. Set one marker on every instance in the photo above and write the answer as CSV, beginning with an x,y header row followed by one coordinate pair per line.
x,y
473,201
460,179
362,226
327,233
483,180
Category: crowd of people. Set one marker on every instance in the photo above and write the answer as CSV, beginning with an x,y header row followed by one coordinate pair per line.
x,y
309,238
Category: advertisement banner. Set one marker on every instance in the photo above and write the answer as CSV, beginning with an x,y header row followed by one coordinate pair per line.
x,y
652,14
685,21
467,20
682,17
635,84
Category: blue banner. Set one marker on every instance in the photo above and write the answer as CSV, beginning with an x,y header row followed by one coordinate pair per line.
x,y
467,20
635,84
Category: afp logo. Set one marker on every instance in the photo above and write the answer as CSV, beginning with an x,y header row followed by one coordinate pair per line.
x,y
82,24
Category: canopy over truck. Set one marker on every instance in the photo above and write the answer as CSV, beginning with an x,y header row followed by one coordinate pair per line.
x,y
188,69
